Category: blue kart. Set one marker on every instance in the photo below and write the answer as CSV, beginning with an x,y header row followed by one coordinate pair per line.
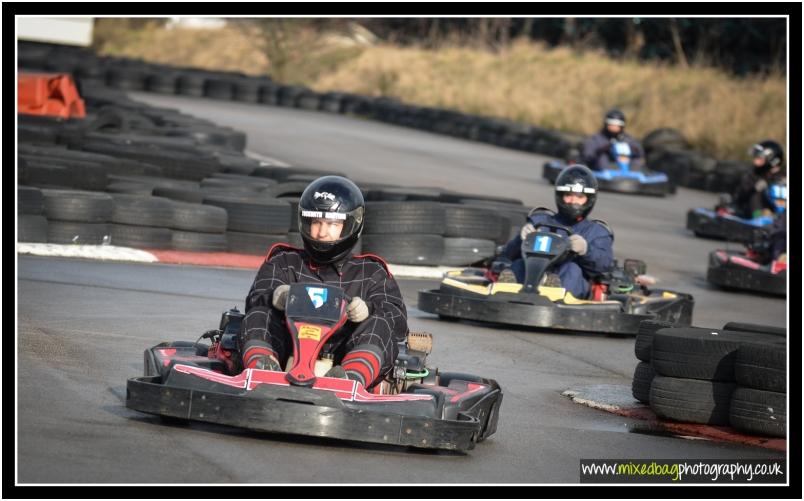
x,y
722,222
621,176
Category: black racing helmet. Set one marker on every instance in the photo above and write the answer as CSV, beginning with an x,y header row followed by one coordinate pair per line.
x,y
576,178
771,151
335,198
614,117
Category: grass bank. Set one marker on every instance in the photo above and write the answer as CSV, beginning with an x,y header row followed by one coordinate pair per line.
x,y
553,88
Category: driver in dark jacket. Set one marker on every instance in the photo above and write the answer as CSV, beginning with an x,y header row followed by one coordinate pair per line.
x,y
331,215
591,242
597,152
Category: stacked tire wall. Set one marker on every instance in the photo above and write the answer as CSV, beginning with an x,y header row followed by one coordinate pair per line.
x,y
145,177
735,376
666,150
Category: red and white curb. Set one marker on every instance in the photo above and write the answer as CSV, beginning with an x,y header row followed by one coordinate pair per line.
x,y
218,259
617,399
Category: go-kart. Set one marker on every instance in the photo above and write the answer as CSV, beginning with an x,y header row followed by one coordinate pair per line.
x,y
413,406
722,222
751,269
621,176
619,301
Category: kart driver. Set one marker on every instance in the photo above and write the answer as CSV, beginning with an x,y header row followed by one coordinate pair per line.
x,y
597,152
749,199
592,241
330,216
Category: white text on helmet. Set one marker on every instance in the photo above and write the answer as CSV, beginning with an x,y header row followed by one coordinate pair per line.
x,y
328,196
575,188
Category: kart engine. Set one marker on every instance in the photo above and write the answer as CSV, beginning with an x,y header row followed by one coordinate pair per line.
x,y
409,367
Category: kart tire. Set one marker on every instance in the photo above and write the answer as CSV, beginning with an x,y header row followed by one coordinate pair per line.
x,y
465,251
759,412
256,244
287,188
68,232
691,400
191,84
414,249
31,228
698,353
141,237
460,220
199,218
640,384
130,188
199,242
403,218
644,338
253,214
664,138
77,206
141,210
190,195
31,201
758,328
762,366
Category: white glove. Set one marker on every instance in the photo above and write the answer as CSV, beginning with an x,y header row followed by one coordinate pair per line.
x,y
280,296
527,230
357,311
578,244
761,185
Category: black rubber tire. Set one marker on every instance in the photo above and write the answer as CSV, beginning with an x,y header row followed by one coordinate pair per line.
x,y
190,195
414,249
78,206
258,214
644,338
692,352
253,243
759,412
640,385
191,84
404,217
31,228
286,189
130,188
31,202
141,237
66,232
758,328
198,218
762,366
199,242
691,400
466,251
664,139
143,211
463,221
43,172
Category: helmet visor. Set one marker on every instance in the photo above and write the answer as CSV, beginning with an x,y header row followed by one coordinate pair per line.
x,y
329,228
758,150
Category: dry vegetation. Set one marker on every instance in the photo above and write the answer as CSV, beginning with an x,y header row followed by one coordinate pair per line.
x,y
557,88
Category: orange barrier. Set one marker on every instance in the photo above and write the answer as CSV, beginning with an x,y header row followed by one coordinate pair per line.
x,y
49,94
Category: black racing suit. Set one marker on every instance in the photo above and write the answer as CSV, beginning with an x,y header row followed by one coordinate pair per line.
x,y
748,202
366,350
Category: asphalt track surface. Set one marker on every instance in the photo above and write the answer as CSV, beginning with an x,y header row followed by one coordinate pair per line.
x,y
83,325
